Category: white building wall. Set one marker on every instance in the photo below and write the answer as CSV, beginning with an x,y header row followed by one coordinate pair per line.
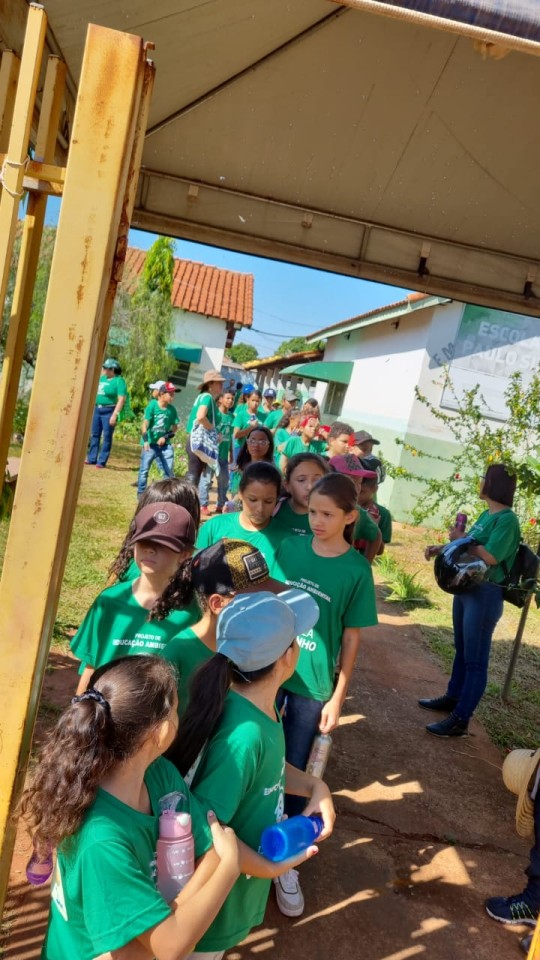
x,y
210,332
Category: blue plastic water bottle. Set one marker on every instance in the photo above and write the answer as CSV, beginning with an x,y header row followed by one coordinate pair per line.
x,y
286,839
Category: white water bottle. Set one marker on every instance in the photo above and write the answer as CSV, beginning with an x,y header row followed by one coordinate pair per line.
x,y
320,751
175,853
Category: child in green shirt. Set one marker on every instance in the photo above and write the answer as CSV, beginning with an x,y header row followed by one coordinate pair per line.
x,y
260,486
234,731
118,620
341,582
303,471
105,819
306,442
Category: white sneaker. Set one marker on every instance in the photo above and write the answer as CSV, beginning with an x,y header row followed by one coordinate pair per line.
x,y
289,896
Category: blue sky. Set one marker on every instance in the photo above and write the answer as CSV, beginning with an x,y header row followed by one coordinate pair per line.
x,y
289,301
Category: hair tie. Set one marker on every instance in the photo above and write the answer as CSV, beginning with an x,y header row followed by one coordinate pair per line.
x,y
91,694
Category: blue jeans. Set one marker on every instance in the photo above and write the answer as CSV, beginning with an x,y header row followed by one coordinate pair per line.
x,y
222,482
475,616
164,456
100,425
300,725
205,483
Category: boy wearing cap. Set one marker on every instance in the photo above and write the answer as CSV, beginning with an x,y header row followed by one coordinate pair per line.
x,y
159,427
362,446
233,726
218,574
367,538
266,408
110,400
118,622
156,387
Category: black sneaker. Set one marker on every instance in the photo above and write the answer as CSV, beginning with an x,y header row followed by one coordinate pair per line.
x,y
452,726
443,704
511,910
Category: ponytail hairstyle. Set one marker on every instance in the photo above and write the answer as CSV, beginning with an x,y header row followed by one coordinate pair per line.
x,y
177,490
341,489
177,594
125,701
207,692
261,472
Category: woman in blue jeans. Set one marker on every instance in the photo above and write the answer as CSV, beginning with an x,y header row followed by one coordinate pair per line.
x,y
476,614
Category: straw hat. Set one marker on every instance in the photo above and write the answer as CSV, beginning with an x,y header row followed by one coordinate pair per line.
x,y
518,770
211,376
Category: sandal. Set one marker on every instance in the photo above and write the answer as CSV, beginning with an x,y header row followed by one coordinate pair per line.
x,y
39,869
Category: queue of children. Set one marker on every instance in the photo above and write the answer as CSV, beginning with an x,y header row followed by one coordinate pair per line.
x,y
238,629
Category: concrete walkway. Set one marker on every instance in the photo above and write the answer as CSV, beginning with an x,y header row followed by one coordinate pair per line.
x,y
425,833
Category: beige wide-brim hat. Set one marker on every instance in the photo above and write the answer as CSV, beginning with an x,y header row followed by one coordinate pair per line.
x,y
518,771
211,376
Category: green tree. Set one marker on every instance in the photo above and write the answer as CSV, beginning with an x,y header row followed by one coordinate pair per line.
x,y
480,442
144,321
39,295
295,345
241,353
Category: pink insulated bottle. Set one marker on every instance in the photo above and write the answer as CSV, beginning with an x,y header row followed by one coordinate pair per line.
x,y
175,853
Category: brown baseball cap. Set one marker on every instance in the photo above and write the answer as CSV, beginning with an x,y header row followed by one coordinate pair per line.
x,y
166,523
232,566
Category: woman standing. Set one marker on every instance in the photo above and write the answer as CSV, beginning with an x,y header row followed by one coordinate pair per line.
x,y
204,411
475,614
111,397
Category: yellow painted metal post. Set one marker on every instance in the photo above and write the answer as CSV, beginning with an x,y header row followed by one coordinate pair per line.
x,y
53,95
9,73
534,949
65,381
13,167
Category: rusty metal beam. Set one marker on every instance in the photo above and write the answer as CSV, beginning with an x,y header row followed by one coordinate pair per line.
x,y
13,167
53,96
73,334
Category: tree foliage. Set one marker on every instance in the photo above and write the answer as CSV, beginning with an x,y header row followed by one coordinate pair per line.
x,y
241,352
39,296
480,442
295,345
144,323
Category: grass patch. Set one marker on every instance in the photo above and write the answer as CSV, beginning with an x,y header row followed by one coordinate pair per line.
x,y
404,586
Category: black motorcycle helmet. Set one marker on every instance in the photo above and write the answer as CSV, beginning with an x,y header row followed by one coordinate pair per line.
x,y
456,570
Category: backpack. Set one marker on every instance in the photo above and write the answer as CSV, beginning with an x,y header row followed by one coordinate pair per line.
x,y
520,581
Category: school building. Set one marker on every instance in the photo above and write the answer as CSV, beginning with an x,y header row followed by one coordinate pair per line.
x,y
374,362
209,306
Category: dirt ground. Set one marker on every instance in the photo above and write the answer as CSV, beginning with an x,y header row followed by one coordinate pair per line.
x,y
425,830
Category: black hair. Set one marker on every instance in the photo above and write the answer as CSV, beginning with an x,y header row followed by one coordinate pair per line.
x,y
342,490
500,484
338,428
286,418
134,695
244,457
261,472
298,458
207,692
177,490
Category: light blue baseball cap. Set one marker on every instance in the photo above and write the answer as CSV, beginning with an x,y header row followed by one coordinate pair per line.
x,y
256,629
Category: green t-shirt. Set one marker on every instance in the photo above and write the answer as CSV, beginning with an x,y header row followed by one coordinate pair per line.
x,y
288,522
344,592
187,653
103,891
228,525
500,534
273,418
263,414
160,420
117,626
243,419
225,427
205,400
131,573
385,523
281,438
109,389
365,527
242,777
297,445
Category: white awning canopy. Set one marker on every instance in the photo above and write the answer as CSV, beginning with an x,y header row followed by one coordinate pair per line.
x,y
330,135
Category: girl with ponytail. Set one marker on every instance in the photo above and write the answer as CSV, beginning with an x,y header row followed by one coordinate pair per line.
x,y
232,739
97,794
